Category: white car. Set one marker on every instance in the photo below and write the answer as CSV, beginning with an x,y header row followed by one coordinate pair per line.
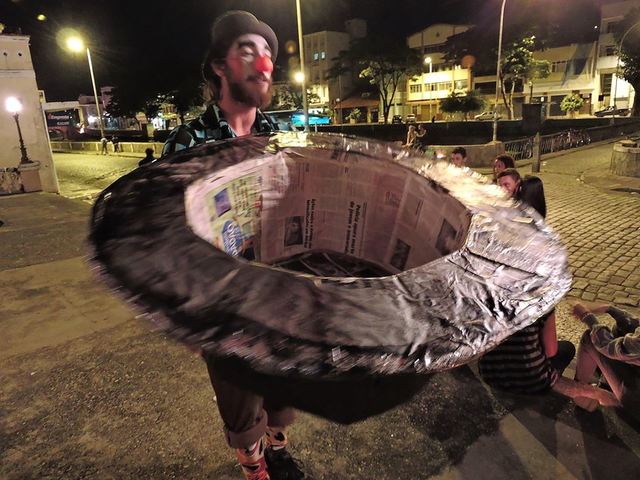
x,y
485,116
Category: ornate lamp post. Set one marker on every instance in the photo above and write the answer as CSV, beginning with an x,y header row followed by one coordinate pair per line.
x,y
14,107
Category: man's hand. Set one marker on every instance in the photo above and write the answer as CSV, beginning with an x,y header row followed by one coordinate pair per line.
x,y
582,312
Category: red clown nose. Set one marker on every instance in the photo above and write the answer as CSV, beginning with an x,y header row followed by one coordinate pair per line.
x,y
264,64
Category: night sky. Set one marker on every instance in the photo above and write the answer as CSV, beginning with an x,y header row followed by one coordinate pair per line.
x,y
157,42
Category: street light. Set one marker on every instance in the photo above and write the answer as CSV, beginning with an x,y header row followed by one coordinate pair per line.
x,y
428,61
615,87
495,108
14,107
76,44
305,100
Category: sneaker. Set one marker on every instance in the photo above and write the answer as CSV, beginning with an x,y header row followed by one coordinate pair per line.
x,y
282,466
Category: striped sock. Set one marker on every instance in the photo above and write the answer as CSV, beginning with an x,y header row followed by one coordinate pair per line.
x,y
252,461
277,438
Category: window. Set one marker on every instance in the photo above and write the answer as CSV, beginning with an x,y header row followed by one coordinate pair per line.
x,y
444,86
612,27
323,55
462,84
558,67
605,83
430,87
578,65
608,51
415,88
315,56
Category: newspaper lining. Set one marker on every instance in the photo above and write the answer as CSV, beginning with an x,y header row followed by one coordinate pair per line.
x,y
273,208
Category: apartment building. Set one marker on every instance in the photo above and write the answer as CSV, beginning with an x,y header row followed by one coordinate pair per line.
x,y
608,88
424,92
320,50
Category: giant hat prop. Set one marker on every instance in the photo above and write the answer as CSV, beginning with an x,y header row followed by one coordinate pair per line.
x,y
340,270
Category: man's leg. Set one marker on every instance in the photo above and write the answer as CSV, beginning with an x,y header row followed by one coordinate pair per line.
x,y
566,352
245,422
589,358
281,465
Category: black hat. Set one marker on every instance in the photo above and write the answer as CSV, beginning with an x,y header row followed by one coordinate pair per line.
x,y
230,26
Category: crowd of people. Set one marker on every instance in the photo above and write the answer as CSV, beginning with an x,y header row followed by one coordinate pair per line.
x,y
533,360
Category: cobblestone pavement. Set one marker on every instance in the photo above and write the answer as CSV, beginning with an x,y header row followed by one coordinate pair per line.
x,y
600,227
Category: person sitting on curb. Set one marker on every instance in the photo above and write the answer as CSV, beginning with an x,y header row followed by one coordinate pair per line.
x,y
501,163
510,181
148,157
411,137
459,157
615,352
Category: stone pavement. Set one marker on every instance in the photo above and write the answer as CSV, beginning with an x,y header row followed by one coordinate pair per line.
x,y
89,392
599,225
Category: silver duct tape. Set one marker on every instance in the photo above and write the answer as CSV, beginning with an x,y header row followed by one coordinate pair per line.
x,y
509,270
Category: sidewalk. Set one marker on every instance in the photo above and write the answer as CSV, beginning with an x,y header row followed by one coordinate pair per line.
x,y
90,392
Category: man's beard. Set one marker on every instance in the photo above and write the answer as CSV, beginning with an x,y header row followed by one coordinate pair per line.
x,y
252,97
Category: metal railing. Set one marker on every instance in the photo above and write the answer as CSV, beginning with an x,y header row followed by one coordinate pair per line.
x,y
522,148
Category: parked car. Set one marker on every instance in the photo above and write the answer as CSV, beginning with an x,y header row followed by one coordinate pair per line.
x,y
485,116
411,118
611,111
396,119
55,134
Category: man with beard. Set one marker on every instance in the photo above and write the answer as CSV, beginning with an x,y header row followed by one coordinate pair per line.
x,y
238,70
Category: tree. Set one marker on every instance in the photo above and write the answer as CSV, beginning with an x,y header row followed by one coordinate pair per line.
x,y
383,62
518,66
571,103
124,103
288,97
463,104
630,54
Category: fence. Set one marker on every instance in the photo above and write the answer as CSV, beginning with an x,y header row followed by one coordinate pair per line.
x,y
95,147
523,148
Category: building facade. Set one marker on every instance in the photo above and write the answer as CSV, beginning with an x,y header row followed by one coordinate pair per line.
x,y
18,80
424,92
321,48
609,89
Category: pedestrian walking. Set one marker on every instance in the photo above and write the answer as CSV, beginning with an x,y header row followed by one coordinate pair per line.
x,y
105,146
238,72
116,144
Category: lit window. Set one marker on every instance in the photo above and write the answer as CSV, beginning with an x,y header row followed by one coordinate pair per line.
x,y
323,55
315,56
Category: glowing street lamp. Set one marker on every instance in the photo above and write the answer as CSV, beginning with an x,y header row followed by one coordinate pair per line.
x,y
76,44
298,77
14,107
428,61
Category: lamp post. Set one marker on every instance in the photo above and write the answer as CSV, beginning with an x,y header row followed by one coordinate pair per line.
x,y
14,107
76,44
303,83
495,109
429,61
615,87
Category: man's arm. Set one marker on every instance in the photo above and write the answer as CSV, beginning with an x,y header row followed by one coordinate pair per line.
x,y
625,348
